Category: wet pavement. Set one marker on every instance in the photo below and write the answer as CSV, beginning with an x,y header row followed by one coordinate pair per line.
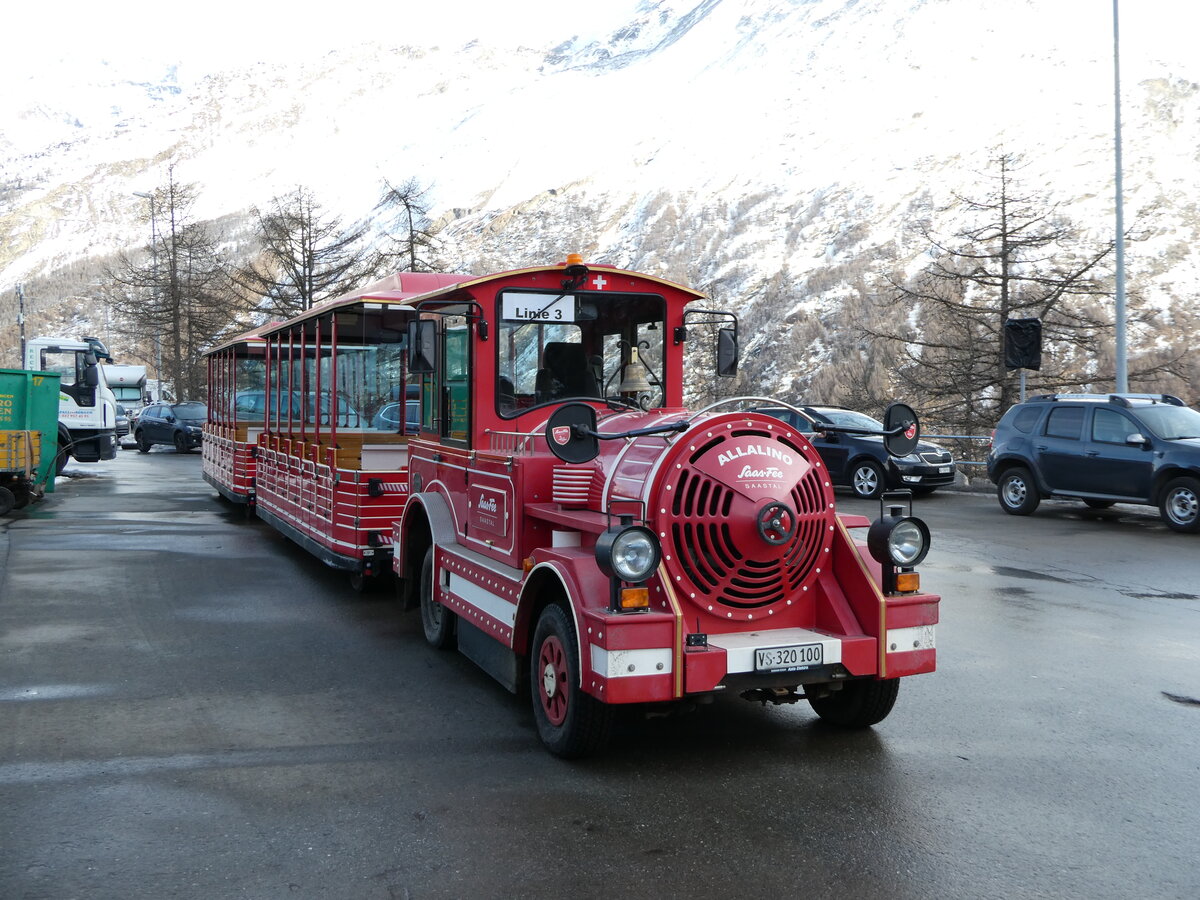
x,y
191,706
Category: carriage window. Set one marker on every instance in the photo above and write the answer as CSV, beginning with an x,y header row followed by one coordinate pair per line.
x,y
552,348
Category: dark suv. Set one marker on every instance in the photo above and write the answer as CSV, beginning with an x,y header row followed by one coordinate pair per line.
x,y
860,462
179,424
1101,449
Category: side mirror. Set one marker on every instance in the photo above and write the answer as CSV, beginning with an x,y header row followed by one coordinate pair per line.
x,y
904,431
727,352
571,433
91,370
422,346
1137,439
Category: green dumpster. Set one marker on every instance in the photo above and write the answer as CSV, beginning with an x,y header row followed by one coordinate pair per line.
x,y
29,402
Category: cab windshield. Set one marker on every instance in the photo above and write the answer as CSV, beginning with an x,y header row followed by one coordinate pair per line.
x,y
585,345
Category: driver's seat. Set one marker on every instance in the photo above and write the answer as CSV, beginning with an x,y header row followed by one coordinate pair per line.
x,y
565,373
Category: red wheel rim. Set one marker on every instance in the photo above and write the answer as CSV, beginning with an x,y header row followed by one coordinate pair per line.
x,y
552,661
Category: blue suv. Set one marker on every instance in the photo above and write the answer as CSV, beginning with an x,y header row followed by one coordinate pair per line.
x,y
1101,449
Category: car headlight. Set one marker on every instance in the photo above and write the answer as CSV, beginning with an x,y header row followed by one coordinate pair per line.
x,y
898,540
630,553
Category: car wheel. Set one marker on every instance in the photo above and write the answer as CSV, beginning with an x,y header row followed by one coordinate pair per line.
x,y
181,442
1099,504
1180,505
143,444
570,722
436,620
866,479
859,704
1017,493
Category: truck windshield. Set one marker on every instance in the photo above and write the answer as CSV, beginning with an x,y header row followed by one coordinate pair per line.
x,y
588,345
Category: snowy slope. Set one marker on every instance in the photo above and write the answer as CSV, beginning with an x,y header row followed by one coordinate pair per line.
x,y
705,139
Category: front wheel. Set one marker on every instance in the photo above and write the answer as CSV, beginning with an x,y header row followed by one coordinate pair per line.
x,y
570,723
181,443
1180,505
1017,493
143,444
867,480
436,620
859,704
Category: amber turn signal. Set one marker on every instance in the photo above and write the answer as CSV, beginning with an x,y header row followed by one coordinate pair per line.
x,y
908,582
635,598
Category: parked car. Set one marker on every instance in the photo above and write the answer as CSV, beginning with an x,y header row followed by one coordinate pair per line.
x,y
1101,449
179,424
252,405
860,462
388,418
122,423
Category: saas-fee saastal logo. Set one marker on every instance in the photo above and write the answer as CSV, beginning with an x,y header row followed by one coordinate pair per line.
x,y
754,466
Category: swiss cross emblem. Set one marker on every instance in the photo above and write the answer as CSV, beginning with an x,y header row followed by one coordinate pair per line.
x,y
599,282
561,434
911,431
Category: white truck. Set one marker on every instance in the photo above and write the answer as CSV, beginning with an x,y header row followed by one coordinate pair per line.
x,y
87,408
128,384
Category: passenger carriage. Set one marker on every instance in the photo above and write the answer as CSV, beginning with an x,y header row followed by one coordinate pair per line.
x,y
230,446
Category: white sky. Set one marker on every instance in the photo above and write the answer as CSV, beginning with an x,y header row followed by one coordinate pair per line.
x,y
239,32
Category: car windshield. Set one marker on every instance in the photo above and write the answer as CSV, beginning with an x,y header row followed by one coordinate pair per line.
x,y
851,419
190,410
1171,423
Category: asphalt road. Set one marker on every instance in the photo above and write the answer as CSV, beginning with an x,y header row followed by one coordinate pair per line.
x,y
190,706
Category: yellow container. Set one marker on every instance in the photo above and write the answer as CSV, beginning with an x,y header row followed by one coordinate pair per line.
x,y
20,451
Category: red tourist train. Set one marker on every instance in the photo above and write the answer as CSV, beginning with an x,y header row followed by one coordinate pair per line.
x,y
515,447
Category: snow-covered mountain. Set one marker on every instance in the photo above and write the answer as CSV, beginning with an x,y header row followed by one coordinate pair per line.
x,y
710,141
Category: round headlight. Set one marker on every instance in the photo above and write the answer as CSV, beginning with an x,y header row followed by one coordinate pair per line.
x,y
898,540
907,543
631,553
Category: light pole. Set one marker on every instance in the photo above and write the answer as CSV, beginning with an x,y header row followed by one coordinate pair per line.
x,y
154,269
1122,372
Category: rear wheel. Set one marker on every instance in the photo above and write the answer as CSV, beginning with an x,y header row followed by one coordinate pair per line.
x,y
22,493
570,723
1017,493
142,443
7,501
866,479
1180,505
436,620
859,704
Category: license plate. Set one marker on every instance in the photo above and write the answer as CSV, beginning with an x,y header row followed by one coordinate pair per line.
x,y
944,470
788,659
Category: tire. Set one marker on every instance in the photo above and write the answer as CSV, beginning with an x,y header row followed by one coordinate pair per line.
x,y
1017,493
64,453
859,704
7,501
1099,504
22,493
143,445
1180,504
866,479
181,442
570,723
363,584
436,621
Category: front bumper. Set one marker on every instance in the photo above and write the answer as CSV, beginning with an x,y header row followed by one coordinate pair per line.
x,y
923,475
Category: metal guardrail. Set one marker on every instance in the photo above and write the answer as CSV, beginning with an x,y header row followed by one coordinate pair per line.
x,y
958,457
